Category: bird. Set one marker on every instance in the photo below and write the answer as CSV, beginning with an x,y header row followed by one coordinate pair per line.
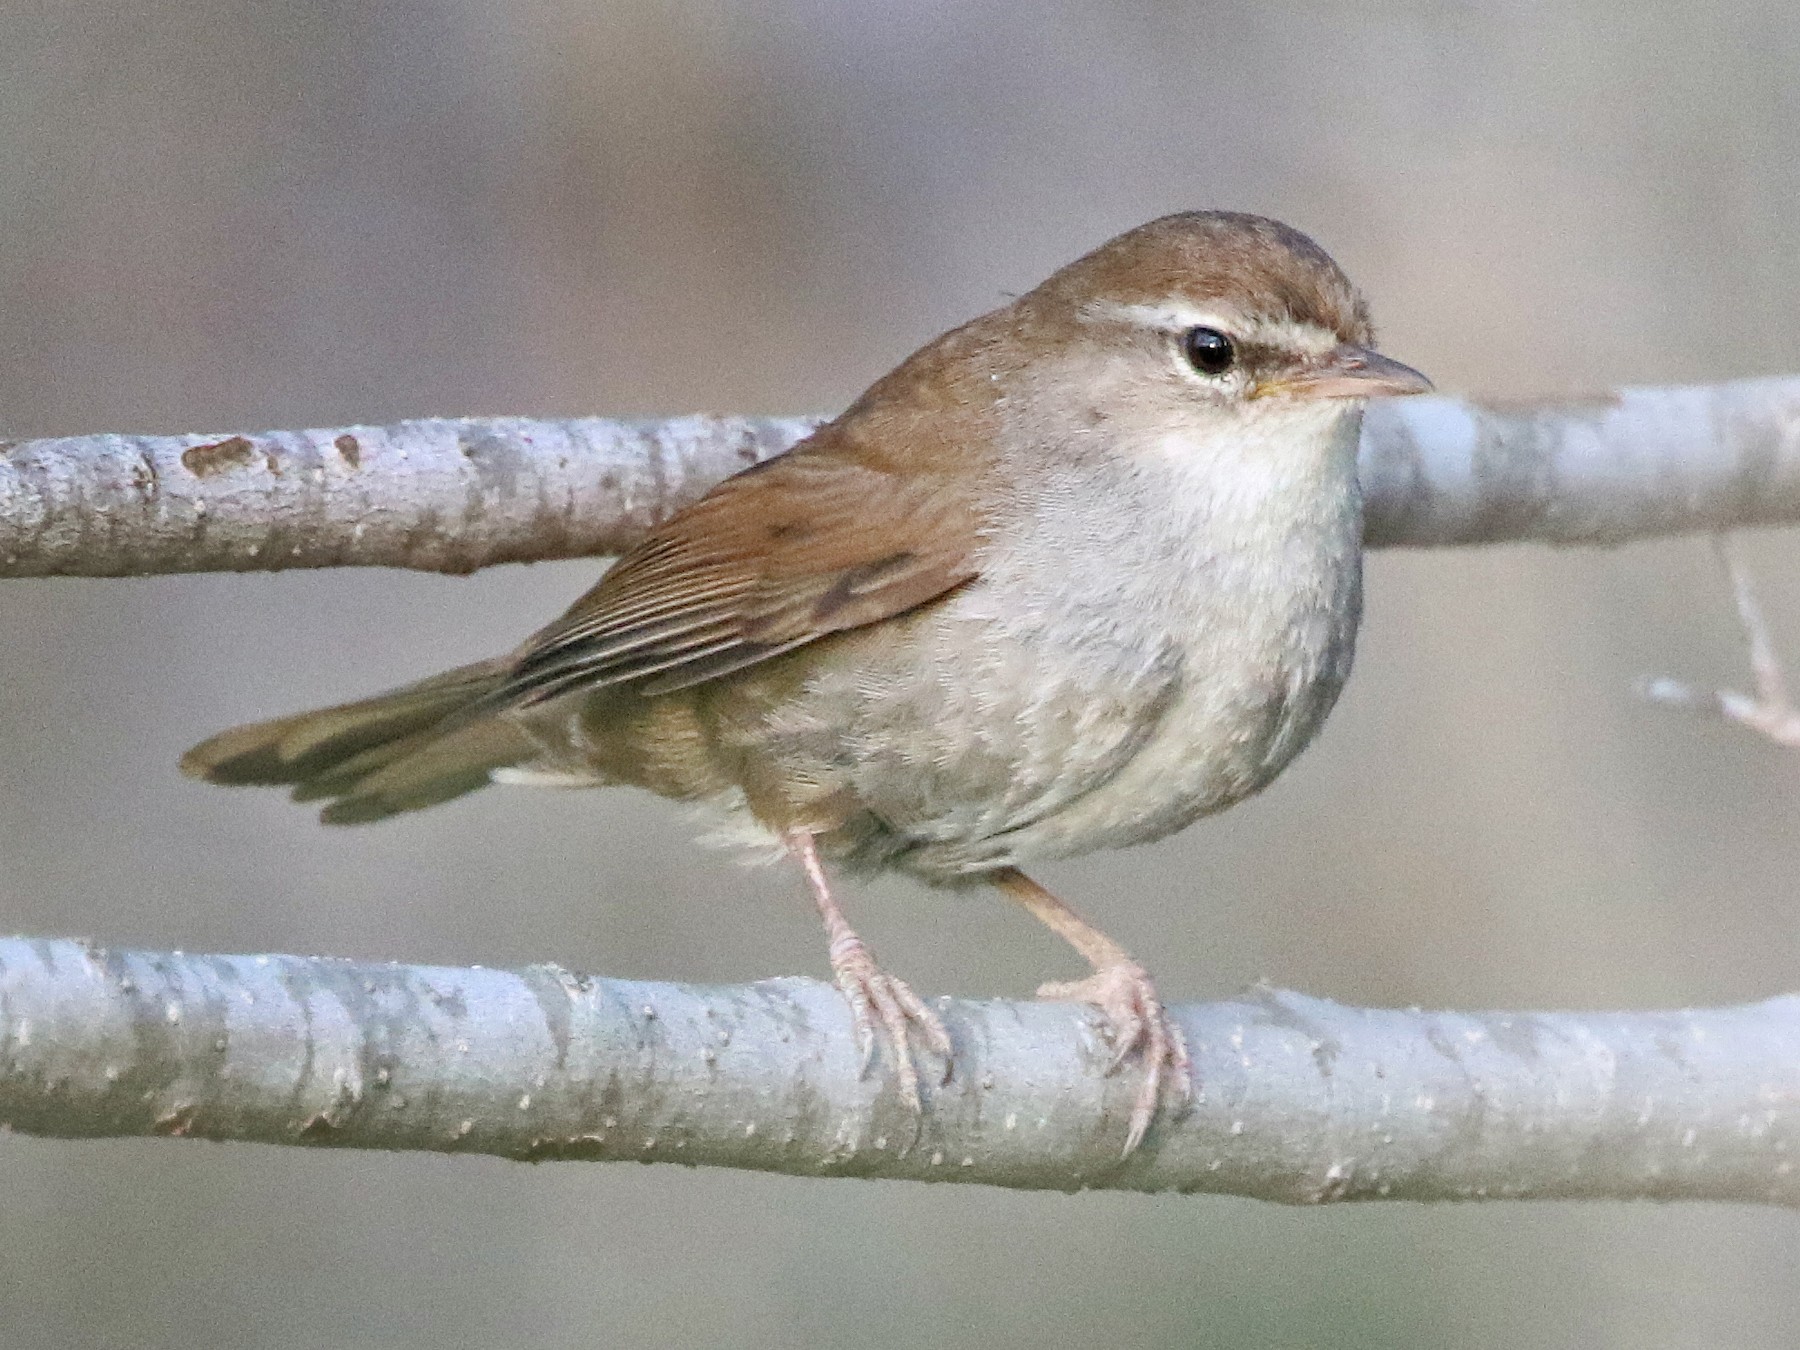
x,y
1070,577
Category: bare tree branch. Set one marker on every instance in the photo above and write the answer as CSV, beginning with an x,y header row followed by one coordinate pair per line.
x,y
452,495
438,495
1302,1100
1637,464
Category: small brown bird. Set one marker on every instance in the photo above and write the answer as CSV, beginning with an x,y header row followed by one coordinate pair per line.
x,y
1072,576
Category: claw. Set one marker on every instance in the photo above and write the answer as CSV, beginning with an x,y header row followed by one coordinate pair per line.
x,y
874,996
878,1000
1137,1025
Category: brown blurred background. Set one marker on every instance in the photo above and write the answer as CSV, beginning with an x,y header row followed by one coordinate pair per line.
x,y
226,217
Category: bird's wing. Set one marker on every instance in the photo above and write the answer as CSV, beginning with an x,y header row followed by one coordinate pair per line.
x,y
816,541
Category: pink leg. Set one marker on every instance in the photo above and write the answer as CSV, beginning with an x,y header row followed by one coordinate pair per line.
x,y
1122,990
874,996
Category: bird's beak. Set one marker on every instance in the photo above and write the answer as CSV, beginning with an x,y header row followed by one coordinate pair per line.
x,y
1348,372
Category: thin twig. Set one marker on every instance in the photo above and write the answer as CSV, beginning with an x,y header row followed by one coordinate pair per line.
x,y
1769,711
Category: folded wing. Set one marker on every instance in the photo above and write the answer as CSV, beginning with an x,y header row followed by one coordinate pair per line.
x,y
815,542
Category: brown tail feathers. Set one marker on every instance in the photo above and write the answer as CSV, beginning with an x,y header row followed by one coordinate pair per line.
x,y
399,751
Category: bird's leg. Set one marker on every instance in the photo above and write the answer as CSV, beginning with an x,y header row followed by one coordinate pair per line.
x,y
1122,990
874,996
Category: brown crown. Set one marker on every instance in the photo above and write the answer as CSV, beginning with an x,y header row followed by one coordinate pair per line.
x,y
1255,264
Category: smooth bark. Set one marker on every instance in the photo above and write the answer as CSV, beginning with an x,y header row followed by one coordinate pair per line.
x,y
1301,1100
453,495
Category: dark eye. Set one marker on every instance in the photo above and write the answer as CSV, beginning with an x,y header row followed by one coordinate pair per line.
x,y
1209,351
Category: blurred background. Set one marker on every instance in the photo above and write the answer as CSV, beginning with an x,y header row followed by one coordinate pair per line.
x,y
225,217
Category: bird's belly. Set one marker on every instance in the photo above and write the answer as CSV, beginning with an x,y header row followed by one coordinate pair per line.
x,y
927,743
945,747
1229,733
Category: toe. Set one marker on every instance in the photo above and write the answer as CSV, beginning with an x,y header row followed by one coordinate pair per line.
x,y
862,1019
1179,1060
1139,1028
893,1022
1131,1031
930,1026
1143,1110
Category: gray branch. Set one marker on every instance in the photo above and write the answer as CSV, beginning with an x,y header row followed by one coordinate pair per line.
x,y
1301,1100
452,495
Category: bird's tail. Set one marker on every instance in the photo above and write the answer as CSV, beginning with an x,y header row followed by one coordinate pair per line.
x,y
399,751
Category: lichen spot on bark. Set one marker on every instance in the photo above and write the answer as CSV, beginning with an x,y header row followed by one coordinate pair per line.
x,y
234,452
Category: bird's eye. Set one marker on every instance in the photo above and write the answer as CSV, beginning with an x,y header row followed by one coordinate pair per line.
x,y
1209,351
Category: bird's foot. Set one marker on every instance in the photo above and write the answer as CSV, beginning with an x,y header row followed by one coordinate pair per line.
x,y
1137,1024
879,1002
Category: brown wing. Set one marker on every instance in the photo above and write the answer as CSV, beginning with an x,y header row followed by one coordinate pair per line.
x,y
819,540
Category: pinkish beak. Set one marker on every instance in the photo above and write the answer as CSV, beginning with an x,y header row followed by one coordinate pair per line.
x,y
1349,372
